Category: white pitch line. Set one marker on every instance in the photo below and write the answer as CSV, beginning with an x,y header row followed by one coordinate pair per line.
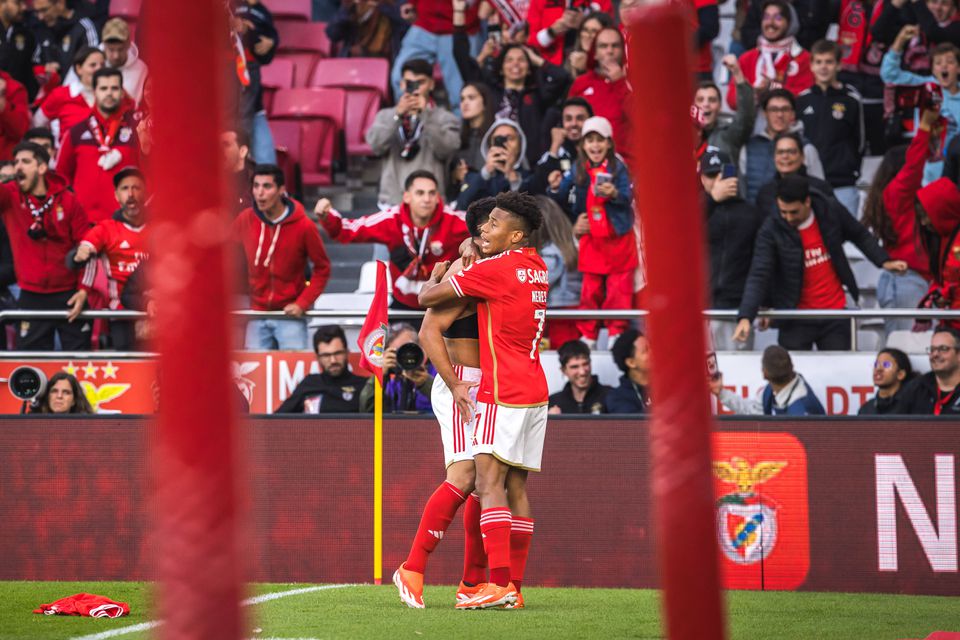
x,y
266,597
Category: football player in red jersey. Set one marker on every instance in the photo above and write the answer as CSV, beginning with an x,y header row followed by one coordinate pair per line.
x,y
450,339
511,408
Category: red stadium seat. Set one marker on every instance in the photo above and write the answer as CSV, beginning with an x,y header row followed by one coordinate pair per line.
x,y
303,43
290,9
307,123
127,9
276,75
365,80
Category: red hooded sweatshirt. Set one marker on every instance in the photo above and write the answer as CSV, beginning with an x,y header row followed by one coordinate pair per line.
x,y
88,147
41,264
15,118
413,250
898,199
277,253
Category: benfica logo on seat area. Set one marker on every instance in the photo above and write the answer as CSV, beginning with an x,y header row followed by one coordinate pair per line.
x,y
762,520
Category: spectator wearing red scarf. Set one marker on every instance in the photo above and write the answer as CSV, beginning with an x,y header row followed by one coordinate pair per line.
x,y
778,61
96,149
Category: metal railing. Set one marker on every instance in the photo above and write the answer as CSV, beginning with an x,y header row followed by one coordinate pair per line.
x,y
356,317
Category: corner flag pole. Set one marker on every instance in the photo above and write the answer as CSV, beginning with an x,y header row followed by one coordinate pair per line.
x,y
667,196
378,483
194,447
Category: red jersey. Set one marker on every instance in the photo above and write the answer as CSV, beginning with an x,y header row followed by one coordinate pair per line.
x,y
821,285
413,250
121,248
513,289
94,151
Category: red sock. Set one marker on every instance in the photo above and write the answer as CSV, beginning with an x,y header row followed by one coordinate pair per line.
x,y
521,534
474,558
495,525
437,515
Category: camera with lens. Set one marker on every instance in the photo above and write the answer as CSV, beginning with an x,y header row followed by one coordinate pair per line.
x,y
26,383
410,356
412,86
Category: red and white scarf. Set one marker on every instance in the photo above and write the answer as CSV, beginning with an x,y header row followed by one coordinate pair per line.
x,y
776,59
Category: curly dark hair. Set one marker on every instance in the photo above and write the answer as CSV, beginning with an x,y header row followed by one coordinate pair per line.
x,y
523,206
80,402
477,213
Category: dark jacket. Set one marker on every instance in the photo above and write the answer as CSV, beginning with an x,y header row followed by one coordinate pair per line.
x,y
767,196
776,273
629,397
920,396
833,122
251,96
344,29
548,85
877,406
564,160
475,186
593,401
17,47
322,393
732,227
61,42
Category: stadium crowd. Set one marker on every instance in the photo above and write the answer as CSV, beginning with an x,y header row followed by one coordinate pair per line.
x,y
509,95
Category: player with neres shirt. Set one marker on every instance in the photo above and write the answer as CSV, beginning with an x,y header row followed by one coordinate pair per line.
x,y
451,341
511,408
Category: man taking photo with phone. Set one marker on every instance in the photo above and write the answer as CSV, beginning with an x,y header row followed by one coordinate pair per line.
x,y
504,146
415,134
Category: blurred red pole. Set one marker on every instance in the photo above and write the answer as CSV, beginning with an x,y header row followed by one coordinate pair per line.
x,y
194,447
667,196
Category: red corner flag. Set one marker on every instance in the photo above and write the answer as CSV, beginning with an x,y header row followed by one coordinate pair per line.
x,y
373,335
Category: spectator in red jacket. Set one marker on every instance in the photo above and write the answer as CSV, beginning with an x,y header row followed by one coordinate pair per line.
x,y
278,238
896,223
120,242
598,194
605,87
551,21
778,61
14,116
420,232
94,150
44,221
71,103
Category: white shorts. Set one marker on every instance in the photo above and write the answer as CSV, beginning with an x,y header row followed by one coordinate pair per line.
x,y
454,432
514,435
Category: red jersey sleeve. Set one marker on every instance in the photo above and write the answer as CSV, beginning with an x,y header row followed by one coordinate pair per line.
x,y
67,159
378,227
97,236
480,280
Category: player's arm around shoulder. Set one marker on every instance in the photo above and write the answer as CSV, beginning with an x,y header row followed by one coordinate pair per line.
x,y
436,292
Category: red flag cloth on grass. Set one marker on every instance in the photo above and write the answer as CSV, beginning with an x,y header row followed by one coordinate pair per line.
x,y
85,604
373,335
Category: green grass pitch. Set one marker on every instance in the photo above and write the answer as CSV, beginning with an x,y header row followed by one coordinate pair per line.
x,y
366,611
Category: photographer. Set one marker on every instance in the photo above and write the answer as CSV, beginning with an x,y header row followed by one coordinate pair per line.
x,y
415,134
505,168
408,379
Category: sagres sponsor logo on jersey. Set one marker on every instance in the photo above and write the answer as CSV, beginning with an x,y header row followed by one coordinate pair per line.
x,y
374,344
762,512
